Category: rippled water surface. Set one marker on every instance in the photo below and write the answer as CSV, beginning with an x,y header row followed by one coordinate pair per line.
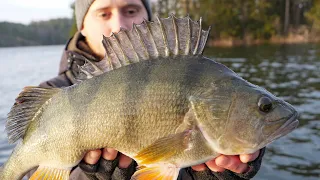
x,y
289,71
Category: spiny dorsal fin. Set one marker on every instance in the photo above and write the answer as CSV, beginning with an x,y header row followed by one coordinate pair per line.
x,y
28,104
164,37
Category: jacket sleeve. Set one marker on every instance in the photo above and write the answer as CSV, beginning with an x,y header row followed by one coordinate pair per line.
x,y
254,166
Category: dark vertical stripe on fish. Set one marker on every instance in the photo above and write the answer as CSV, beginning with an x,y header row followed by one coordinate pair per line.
x,y
91,91
138,76
194,75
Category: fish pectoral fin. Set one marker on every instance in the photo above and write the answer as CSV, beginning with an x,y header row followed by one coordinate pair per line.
x,y
44,172
157,171
164,148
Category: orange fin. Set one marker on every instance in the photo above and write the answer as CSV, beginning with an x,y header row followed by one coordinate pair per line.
x,y
164,148
46,173
159,171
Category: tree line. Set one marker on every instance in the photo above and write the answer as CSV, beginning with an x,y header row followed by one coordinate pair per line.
x,y
249,19
233,20
55,31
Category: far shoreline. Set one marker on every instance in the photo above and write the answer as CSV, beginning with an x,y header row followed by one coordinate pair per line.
x,y
277,40
229,42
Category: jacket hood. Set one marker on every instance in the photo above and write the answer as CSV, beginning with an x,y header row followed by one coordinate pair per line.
x,y
76,50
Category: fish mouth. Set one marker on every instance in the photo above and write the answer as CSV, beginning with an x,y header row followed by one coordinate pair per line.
x,y
286,128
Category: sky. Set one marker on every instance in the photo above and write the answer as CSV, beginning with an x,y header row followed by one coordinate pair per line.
x,y
25,11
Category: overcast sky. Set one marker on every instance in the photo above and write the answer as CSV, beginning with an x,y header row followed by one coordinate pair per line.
x,y
25,11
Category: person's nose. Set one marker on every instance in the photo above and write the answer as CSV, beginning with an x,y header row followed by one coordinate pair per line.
x,y
120,21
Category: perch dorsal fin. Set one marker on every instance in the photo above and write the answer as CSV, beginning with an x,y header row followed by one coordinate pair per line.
x,y
164,37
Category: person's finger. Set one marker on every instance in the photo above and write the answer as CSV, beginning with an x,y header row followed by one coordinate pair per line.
x,y
109,153
245,158
124,161
92,157
232,163
200,167
213,166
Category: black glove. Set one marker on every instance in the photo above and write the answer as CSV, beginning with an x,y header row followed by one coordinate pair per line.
x,y
107,170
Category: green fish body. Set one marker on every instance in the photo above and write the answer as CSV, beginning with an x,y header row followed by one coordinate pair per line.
x,y
166,106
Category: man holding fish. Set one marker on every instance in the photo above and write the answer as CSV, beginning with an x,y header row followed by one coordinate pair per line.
x,y
102,17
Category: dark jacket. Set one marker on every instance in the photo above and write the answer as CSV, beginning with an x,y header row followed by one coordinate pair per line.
x,y
73,56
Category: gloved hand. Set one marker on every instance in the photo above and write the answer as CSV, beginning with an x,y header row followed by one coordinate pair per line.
x,y
107,164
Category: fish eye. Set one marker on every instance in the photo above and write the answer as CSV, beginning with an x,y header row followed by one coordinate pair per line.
x,y
265,104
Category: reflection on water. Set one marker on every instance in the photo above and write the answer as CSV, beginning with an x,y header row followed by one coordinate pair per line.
x,y
289,71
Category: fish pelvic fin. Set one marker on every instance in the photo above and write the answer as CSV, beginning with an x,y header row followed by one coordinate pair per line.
x,y
165,37
28,105
48,173
157,171
164,148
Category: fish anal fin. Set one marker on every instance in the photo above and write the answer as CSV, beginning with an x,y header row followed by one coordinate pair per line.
x,y
48,173
157,171
27,106
164,148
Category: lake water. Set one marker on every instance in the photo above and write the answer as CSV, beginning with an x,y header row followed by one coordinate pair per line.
x,y
289,71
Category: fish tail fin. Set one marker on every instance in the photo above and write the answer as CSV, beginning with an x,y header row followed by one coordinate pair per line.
x,y
28,105
17,165
165,37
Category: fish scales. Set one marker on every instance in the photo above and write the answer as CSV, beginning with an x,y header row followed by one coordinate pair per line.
x,y
114,99
152,96
166,107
